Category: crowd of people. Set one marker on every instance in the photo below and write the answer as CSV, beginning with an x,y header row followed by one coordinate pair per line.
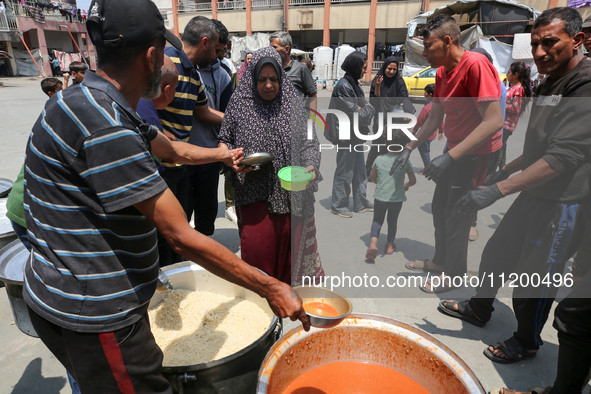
x,y
119,163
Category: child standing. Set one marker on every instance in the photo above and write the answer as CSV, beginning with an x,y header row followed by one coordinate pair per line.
x,y
389,194
425,147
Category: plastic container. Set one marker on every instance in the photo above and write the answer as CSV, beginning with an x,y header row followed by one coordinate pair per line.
x,y
294,178
340,55
323,63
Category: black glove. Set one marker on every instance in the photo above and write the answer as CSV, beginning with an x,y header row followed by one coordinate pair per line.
x,y
438,166
497,177
479,198
401,159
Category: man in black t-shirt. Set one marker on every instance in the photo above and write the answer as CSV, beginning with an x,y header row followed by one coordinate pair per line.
x,y
544,226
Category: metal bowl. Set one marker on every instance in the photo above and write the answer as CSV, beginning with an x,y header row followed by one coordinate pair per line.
x,y
326,296
256,160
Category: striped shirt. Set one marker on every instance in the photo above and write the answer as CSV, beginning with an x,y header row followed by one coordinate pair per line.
x,y
177,118
94,262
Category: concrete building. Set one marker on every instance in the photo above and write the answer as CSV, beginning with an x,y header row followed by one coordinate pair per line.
x,y
377,24
54,25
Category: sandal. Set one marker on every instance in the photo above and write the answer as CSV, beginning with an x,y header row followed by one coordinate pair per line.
x,y
512,349
388,250
372,253
446,286
464,312
420,265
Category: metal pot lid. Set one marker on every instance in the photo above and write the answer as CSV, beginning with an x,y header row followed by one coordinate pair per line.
x,y
13,258
257,159
6,229
5,186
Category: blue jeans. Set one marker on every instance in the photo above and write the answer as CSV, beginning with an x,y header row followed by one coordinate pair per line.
x,y
425,150
349,176
21,233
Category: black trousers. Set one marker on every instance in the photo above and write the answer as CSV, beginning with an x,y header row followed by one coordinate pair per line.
x,y
452,227
572,320
126,360
204,196
179,182
535,239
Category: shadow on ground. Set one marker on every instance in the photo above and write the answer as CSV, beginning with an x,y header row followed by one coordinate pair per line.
x,y
32,379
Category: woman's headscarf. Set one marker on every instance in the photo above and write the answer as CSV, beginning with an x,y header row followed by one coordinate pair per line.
x,y
393,87
353,66
278,127
243,66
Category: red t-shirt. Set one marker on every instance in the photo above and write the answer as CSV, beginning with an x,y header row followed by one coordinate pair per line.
x,y
425,112
474,80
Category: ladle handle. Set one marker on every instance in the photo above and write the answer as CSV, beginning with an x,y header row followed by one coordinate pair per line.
x,y
163,285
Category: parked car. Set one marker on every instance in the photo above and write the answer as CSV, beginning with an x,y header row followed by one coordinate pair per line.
x,y
416,83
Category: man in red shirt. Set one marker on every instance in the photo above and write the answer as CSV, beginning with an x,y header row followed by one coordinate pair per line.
x,y
467,92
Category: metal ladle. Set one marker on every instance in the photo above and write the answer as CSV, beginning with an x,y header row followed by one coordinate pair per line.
x,y
163,285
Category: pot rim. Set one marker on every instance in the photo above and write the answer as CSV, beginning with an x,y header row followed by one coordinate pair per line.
x,y
297,334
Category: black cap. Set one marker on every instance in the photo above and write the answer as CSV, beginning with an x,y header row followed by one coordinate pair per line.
x,y
124,23
587,22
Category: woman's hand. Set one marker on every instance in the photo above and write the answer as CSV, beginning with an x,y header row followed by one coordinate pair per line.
x,y
379,80
314,176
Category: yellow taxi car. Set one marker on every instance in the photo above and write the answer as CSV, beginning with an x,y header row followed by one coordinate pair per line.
x,y
415,84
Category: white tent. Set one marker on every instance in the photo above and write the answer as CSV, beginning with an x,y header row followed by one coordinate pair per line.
x,y
507,15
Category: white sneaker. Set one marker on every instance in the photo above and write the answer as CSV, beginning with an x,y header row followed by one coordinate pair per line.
x,y
231,214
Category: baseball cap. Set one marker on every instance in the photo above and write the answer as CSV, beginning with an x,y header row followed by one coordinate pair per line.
x,y
124,23
587,22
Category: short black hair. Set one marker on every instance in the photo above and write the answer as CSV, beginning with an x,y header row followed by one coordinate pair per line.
x,y
399,138
222,31
122,56
573,22
198,28
49,85
441,26
78,66
430,89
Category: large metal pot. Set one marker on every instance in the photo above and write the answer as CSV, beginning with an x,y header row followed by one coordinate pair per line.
x,y
236,373
373,339
13,258
7,234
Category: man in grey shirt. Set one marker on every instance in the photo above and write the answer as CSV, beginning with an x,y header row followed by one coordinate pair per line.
x,y
297,73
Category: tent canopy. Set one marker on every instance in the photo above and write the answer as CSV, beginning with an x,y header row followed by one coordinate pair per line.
x,y
479,20
495,17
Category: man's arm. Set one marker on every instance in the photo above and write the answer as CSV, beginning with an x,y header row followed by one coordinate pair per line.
x,y
538,173
492,121
534,175
180,152
208,114
165,212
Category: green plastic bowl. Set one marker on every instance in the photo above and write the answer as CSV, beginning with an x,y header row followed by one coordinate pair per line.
x,y
294,178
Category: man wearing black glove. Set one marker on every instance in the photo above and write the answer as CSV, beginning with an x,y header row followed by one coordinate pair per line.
x,y
467,93
546,223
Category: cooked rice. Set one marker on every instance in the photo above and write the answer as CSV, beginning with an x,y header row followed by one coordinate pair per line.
x,y
194,327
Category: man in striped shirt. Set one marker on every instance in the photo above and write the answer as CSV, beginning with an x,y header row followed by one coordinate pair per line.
x,y
93,196
200,39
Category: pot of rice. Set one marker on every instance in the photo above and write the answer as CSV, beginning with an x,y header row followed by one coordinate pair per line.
x,y
214,334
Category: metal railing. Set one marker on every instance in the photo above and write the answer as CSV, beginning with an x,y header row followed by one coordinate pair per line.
x,y
49,14
8,22
195,7
266,4
229,5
